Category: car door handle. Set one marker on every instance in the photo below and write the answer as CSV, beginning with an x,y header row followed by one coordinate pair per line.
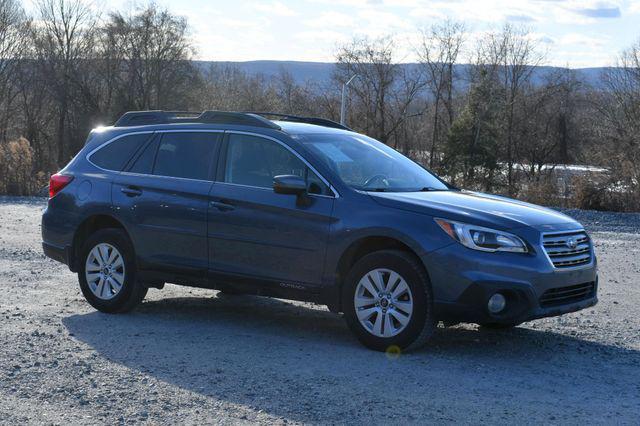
x,y
221,206
131,191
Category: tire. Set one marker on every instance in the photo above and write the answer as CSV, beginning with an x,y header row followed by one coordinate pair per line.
x,y
499,326
393,335
110,298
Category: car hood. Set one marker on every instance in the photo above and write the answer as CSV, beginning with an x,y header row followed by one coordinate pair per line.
x,y
477,208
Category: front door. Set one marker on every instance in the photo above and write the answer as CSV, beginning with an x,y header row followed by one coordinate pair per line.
x,y
254,232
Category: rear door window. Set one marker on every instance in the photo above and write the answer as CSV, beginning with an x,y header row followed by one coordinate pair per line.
x,y
116,154
186,154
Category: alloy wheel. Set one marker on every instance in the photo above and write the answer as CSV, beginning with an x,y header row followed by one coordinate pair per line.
x,y
383,302
105,271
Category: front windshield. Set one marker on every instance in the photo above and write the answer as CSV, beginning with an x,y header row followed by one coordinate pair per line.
x,y
364,163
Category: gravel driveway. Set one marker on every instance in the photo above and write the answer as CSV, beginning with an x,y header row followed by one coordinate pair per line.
x,y
196,356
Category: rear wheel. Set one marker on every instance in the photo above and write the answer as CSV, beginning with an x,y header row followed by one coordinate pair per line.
x,y
387,301
107,272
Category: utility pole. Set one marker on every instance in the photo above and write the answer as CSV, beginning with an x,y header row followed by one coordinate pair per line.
x,y
343,104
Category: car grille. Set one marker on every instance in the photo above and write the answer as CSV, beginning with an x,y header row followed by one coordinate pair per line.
x,y
565,295
568,249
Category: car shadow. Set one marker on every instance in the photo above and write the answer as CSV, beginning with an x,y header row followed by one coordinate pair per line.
x,y
277,356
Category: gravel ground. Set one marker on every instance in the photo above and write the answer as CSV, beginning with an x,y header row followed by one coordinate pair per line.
x,y
196,356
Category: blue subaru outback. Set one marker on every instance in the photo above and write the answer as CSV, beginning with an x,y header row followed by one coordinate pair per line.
x,y
305,209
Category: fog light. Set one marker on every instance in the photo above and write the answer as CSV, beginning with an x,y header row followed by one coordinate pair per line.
x,y
496,304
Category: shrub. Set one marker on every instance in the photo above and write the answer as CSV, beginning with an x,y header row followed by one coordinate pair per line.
x,y
606,196
16,168
544,192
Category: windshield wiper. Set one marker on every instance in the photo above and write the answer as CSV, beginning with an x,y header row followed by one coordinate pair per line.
x,y
423,189
429,189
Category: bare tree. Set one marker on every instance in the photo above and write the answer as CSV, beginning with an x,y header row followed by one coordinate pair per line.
x,y
293,97
147,57
37,114
13,42
519,61
547,123
438,52
620,113
63,40
384,91
508,59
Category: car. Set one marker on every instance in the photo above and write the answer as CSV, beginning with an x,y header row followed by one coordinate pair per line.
x,y
306,209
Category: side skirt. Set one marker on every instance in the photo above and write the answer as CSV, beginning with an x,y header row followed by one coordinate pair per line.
x,y
238,283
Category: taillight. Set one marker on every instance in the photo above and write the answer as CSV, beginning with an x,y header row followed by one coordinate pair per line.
x,y
57,182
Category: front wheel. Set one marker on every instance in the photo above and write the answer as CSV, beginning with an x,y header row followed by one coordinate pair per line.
x,y
387,301
107,272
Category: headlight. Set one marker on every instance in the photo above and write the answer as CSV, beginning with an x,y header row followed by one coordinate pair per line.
x,y
479,238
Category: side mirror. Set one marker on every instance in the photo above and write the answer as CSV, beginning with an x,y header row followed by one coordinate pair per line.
x,y
289,184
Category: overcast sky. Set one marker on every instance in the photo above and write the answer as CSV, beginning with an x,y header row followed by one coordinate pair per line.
x,y
577,33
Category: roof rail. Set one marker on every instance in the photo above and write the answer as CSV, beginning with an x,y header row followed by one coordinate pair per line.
x,y
240,118
142,118
248,118
300,119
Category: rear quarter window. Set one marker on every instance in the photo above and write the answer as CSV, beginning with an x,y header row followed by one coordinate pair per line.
x,y
116,154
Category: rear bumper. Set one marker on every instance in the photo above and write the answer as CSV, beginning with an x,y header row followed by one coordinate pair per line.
x,y
58,228
61,254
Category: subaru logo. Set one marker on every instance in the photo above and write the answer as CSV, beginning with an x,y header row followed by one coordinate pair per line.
x,y
572,243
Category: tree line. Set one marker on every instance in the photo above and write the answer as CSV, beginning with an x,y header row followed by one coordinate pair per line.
x,y
494,124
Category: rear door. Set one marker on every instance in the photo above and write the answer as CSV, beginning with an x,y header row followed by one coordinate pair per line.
x,y
164,196
254,232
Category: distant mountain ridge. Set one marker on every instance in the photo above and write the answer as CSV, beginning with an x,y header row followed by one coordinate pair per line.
x,y
320,72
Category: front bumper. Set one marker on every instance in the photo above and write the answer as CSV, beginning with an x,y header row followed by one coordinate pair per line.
x,y
463,280
523,304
